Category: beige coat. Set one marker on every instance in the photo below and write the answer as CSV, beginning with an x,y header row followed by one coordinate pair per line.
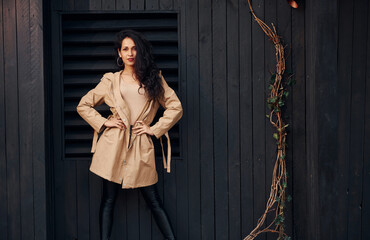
x,y
119,157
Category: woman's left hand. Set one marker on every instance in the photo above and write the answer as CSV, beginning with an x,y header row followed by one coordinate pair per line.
x,y
143,128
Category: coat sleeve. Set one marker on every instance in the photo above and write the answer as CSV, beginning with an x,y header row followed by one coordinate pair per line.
x,y
173,111
93,98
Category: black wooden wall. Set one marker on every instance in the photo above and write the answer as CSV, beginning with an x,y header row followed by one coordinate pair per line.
x,y
218,190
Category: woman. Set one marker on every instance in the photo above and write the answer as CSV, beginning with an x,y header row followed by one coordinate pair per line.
x,y
124,154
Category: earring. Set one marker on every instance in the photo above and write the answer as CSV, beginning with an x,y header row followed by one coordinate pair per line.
x,y
118,58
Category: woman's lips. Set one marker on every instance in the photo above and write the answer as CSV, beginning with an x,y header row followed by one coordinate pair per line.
x,y
131,59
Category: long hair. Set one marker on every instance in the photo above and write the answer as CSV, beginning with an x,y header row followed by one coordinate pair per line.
x,y
145,68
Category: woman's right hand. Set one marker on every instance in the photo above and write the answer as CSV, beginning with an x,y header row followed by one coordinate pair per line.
x,y
115,122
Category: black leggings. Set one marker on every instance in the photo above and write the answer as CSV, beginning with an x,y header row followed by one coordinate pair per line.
x,y
151,197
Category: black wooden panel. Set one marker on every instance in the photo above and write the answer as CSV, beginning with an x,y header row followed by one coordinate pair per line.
x,y
365,219
88,53
297,127
345,32
356,152
259,116
3,147
233,122
12,122
206,122
219,32
182,170
192,68
26,96
246,119
312,208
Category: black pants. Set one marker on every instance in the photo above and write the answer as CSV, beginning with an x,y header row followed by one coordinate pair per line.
x,y
150,194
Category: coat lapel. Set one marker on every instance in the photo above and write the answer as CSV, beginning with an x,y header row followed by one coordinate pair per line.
x,y
120,104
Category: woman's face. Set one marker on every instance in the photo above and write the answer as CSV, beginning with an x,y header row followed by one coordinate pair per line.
x,y
128,51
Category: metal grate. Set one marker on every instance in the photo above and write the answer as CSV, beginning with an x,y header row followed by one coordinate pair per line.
x,y
88,53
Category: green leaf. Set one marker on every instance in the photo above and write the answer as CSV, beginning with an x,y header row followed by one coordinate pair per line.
x,y
281,103
284,184
272,79
275,135
267,115
270,87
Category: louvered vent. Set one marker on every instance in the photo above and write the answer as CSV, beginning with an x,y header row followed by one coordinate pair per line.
x,y
88,53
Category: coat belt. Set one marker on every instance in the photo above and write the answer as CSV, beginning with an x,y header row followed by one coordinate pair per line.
x,y
166,162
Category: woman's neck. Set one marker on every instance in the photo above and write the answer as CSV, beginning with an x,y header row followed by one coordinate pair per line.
x,y
129,70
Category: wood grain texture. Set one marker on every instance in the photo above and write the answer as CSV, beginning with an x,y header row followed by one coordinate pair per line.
x,y
207,191
218,59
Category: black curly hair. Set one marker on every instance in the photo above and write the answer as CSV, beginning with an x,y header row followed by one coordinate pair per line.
x,y
145,68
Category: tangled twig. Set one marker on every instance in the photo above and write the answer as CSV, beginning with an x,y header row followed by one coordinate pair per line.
x,y
279,178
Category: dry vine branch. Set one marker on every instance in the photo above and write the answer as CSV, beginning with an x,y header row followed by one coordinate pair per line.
x,y
279,178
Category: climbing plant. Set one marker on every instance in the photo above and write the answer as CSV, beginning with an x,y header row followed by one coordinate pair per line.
x,y
275,101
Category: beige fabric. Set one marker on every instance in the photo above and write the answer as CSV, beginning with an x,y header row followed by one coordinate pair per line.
x,y
134,98
118,157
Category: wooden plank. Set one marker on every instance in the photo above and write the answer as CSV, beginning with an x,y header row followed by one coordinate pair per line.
x,y
220,119
284,24
259,115
271,12
95,193
25,121
69,212
108,5
192,69
12,121
122,4
3,178
58,167
312,212
133,214
233,129
297,127
357,125
246,119
166,4
83,200
365,219
182,211
81,5
151,4
137,4
206,121
96,4
39,160
345,37
68,5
